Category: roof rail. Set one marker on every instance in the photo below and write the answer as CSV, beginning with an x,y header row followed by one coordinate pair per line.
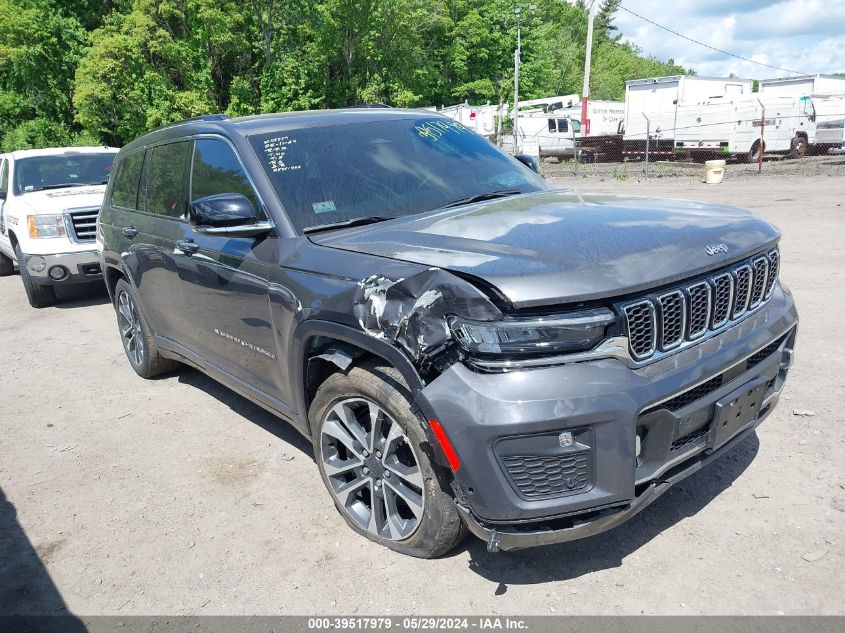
x,y
365,105
196,119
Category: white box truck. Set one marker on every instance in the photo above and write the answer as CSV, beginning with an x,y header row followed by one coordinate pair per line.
x,y
555,123
803,86
651,107
790,126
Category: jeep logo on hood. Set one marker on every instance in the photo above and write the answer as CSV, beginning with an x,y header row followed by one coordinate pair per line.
x,y
714,249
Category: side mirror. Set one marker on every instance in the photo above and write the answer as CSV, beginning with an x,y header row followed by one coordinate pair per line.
x,y
223,209
3,195
529,161
230,214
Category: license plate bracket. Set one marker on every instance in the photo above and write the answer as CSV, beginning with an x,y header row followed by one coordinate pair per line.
x,y
736,411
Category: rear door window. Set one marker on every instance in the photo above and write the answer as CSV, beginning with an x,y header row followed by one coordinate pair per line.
x,y
217,170
167,180
127,179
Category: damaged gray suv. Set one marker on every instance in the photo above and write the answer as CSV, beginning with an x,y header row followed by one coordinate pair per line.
x,y
467,347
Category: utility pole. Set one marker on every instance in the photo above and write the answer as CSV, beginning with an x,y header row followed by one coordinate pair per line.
x,y
585,94
517,61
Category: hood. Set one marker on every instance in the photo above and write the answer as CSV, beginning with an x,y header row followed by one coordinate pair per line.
x,y
562,247
58,200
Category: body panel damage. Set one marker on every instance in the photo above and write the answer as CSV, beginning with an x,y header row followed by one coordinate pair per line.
x,y
413,311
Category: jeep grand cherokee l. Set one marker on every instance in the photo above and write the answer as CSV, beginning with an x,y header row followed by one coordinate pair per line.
x,y
466,346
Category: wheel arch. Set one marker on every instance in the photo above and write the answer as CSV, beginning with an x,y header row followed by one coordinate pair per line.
x,y
111,275
314,338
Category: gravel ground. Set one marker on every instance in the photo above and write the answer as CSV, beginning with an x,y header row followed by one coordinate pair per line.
x,y
176,496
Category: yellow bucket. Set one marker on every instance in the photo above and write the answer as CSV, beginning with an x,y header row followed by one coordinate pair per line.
x,y
714,171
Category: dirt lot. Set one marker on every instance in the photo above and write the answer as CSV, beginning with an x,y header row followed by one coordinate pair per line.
x,y
177,496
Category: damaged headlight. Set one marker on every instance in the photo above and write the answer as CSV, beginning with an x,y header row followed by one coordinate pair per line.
x,y
547,335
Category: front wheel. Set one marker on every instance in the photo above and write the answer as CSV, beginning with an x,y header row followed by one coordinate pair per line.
x,y
369,449
798,147
38,295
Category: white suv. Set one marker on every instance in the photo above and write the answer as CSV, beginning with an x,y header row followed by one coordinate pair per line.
x,y
49,201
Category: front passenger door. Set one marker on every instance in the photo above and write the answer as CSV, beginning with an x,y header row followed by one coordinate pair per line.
x,y
225,278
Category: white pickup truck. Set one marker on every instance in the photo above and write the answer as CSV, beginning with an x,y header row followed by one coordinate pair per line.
x,y
49,201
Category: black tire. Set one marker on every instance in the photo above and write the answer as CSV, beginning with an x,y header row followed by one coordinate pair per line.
x,y
439,528
136,334
754,155
39,296
7,266
798,147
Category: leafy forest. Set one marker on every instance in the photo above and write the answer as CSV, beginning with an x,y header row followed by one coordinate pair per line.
x,y
104,71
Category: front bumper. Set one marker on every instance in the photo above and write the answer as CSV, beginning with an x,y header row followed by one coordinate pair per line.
x,y
79,267
506,424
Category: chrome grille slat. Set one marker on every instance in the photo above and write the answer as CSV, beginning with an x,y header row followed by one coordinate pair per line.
x,y
699,311
82,223
672,319
758,286
742,291
723,287
663,322
774,265
642,328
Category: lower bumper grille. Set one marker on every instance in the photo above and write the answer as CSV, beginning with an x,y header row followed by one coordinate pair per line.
x,y
540,476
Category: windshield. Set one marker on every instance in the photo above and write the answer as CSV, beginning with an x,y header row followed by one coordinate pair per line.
x,y
65,170
384,169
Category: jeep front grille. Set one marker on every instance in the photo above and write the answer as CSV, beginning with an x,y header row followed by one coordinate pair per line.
x,y
662,322
83,224
642,328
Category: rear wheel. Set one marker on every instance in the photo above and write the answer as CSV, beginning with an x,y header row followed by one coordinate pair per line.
x,y
39,296
136,335
369,449
7,266
754,155
798,147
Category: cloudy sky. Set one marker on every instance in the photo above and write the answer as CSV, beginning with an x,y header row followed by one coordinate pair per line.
x,y
803,35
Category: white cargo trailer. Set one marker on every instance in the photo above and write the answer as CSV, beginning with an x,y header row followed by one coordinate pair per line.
x,y
803,86
651,107
480,119
733,128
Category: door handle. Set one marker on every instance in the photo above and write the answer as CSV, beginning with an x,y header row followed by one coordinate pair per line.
x,y
188,246
130,231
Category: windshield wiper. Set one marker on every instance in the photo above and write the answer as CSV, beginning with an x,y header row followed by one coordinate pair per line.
x,y
66,185
481,197
347,223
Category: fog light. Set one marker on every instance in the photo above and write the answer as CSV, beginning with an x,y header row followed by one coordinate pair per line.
x,y
566,439
57,273
36,264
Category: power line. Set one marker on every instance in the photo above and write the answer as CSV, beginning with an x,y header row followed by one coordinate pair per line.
x,y
712,48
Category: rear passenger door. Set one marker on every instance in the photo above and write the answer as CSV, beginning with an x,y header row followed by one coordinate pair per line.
x,y
226,278
149,230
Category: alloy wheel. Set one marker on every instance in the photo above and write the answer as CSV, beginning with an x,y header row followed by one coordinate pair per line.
x,y
130,328
372,469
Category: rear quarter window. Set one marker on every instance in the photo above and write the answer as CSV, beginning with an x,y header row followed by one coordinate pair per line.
x,y
127,179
